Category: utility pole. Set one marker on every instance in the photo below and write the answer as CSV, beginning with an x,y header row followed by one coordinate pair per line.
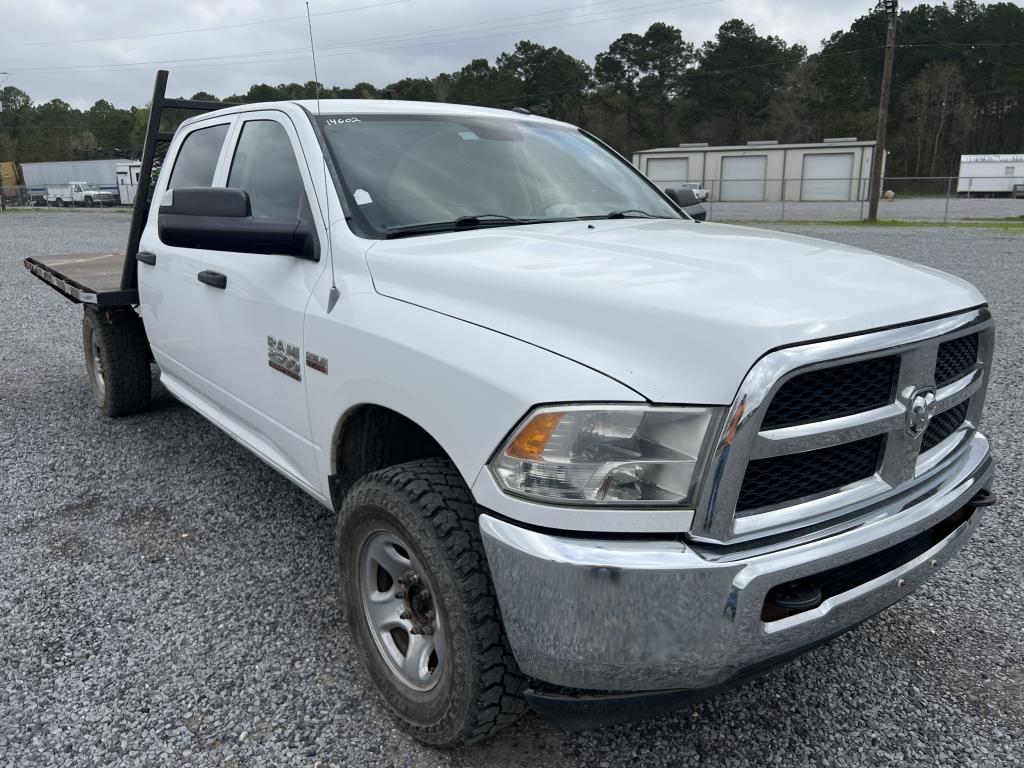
x,y
890,7
2,206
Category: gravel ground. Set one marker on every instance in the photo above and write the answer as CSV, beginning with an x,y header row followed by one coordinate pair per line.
x,y
169,600
901,208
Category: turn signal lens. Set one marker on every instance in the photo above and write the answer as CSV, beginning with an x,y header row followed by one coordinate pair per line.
x,y
530,441
607,454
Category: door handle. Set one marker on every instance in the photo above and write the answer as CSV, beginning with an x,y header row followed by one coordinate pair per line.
x,y
146,257
216,279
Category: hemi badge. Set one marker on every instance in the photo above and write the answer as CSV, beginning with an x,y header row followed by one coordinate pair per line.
x,y
316,362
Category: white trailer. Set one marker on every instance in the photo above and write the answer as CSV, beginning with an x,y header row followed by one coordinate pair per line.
x,y
991,176
128,180
98,172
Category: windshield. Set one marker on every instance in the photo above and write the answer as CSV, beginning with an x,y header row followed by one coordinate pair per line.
x,y
405,171
90,188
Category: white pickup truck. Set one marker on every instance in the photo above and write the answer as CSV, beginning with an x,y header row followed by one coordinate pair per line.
x,y
79,193
588,455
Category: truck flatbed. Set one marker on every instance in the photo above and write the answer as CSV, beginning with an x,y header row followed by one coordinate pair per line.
x,y
87,278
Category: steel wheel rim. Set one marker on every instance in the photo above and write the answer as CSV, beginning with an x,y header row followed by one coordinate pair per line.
x,y
397,600
97,368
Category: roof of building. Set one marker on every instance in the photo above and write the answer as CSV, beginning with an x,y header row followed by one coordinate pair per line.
x,y
687,148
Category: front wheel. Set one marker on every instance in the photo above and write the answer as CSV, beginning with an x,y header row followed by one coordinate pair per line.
x,y
421,606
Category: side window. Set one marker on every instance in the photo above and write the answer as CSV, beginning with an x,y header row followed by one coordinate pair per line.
x,y
264,166
197,159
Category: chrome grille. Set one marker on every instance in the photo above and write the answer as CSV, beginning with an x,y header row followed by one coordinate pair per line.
x,y
797,475
955,359
832,392
944,425
770,476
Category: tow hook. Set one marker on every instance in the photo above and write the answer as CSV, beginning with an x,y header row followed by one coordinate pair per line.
x,y
983,498
790,598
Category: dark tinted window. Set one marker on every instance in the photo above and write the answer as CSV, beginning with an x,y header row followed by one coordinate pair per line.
x,y
197,158
264,166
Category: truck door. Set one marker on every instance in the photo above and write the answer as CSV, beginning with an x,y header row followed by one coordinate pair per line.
x,y
253,326
170,293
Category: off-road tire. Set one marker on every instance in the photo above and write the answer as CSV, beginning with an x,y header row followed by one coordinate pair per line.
x,y
427,504
117,341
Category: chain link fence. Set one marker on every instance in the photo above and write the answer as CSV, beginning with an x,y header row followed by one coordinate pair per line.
x,y
906,198
20,197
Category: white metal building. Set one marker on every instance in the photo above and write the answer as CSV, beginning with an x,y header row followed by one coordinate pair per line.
x,y
986,175
835,169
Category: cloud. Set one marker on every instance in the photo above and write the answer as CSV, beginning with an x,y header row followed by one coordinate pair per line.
x,y
379,43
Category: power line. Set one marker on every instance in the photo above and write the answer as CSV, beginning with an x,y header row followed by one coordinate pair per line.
x,y
200,29
263,57
487,24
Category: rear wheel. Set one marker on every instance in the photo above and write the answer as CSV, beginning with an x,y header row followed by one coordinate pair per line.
x,y
117,359
421,606
60,203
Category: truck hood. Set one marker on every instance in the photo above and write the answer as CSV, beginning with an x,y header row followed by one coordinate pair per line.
x,y
676,310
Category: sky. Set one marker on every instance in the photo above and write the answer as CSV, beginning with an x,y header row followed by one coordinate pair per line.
x,y
81,51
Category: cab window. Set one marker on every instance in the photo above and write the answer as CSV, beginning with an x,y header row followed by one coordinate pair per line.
x,y
264,165
197,159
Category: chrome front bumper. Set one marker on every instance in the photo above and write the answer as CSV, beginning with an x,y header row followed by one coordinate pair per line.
x,y
629,615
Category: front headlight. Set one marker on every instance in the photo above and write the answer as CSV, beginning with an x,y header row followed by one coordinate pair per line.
x,y
622,455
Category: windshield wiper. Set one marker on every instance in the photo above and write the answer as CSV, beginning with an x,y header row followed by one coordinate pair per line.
x,y
485,218
636,211
464,222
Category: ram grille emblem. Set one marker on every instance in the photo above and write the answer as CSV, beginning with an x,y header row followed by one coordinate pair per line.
x,y
920,410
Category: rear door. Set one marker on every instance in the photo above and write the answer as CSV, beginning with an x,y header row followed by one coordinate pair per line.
x,y
252,328
169,291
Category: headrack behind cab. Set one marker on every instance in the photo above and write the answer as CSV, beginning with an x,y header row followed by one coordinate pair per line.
x,y
110,279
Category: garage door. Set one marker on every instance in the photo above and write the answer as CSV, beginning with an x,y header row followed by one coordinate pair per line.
x,y
743,177
827,176
668,171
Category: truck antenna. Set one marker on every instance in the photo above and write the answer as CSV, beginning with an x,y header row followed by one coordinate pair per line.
x,y
333,296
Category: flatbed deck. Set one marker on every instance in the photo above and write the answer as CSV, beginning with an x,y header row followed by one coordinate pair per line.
x,y
86,278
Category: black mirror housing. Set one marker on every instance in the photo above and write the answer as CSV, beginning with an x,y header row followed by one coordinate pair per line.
x,y
686,199
220,219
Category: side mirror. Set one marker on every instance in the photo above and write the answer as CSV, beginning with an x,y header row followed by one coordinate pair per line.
x,y
686,199
220,219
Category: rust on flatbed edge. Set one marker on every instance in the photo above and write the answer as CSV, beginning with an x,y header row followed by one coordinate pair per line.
x,y
88,278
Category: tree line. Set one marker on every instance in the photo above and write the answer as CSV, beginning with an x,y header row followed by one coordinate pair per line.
x,y
958,87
